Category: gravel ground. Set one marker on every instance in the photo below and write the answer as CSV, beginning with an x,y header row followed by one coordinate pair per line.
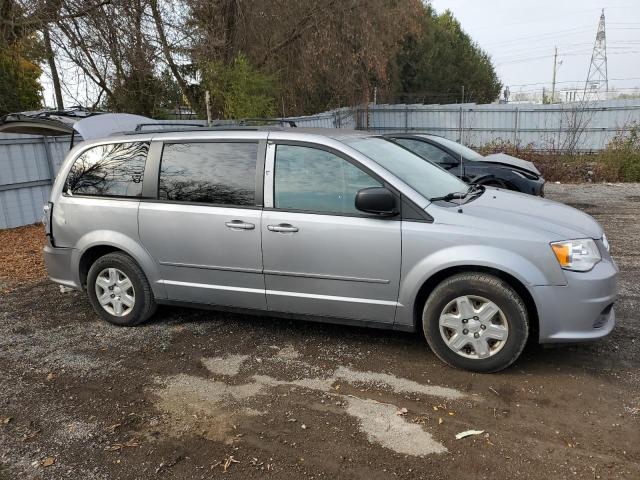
x,y
200,395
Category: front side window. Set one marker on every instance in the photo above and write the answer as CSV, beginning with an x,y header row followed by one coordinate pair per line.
x,y
113,170
222,173
428,151
425,178
314,180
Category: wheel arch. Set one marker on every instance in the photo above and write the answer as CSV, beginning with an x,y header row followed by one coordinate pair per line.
x,y
98,244
434,280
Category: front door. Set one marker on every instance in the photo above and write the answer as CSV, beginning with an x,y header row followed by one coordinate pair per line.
x,y
204,228
322,256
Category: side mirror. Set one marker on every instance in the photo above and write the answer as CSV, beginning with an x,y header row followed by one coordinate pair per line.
x,y
376,200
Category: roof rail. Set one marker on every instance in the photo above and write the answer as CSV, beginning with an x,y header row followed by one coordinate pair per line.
x,y
281,121
140,126
195,129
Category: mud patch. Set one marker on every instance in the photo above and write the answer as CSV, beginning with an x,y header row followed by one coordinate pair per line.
x,y
212,407
229,366
206,406
398,385
382,425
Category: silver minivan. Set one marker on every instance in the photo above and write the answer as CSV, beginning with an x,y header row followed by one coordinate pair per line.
x,y
332,225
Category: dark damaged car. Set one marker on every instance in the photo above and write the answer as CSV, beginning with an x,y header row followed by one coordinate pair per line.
x,y
496,170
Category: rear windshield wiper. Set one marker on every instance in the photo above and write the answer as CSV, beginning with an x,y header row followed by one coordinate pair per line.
x,y
460,195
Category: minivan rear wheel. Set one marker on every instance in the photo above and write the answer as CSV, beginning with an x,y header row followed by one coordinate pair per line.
x,y
475,321
119,290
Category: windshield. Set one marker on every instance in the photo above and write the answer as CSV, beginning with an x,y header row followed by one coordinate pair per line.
x,y
461,150
423,176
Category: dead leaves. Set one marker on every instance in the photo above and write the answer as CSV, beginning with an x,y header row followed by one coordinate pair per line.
x,y
112,428
21,254
47,462
132,443
5,420
226,463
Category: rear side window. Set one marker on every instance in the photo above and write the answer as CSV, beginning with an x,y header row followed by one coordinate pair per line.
x,y
216,172
317,181
113,170
428,151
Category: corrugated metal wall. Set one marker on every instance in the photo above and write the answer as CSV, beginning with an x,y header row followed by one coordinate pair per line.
x,y
27,166
577,126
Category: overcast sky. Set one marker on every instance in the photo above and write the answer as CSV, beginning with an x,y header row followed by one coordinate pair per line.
x,y
520,37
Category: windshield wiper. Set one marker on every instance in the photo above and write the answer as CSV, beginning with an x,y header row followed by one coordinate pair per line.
x,y
460,195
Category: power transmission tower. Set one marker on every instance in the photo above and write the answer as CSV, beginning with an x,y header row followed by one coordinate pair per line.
x,y
597,80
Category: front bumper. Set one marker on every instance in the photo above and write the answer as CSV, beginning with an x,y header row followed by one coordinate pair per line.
x,y
59,263
581,310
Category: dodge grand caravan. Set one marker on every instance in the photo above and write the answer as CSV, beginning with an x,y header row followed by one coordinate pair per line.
x,y
332,225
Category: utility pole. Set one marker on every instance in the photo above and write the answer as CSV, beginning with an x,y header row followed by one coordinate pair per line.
x,y
597,77
462,94
553,81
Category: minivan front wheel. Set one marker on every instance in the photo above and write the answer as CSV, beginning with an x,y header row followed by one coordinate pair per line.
x,y
475,321
119,290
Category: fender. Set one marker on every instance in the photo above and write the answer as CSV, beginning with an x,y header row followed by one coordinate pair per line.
x,y
506,261
130,246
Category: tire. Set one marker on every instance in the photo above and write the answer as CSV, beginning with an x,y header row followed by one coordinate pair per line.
x,y
138,288
484,293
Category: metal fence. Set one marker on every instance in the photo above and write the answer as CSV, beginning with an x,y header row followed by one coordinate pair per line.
x,y
27,166
571,126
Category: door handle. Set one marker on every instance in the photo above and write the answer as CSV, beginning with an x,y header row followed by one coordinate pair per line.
x,y
240,225
282,228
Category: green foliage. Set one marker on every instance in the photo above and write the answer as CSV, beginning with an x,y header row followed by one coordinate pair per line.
x,y
239,90
434,65
20,54
20,88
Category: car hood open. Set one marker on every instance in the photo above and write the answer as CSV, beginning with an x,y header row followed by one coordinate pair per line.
x,y
504,159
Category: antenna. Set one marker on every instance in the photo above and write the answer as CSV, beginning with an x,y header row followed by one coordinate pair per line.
x,y
597,76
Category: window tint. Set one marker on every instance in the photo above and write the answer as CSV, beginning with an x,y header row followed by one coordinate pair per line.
x,y
111,170
216,172
316,180
428,151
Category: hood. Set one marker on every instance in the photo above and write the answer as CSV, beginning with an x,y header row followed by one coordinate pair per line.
x,y
508,160
523,211
89,125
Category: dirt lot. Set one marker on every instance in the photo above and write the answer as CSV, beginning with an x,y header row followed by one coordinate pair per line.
x,y
200,394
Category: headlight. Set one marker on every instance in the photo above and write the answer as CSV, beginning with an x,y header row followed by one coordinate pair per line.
x,y
605,241
578,255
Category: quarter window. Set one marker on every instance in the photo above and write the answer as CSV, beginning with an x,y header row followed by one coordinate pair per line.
x,y
215,172
113,170
315,180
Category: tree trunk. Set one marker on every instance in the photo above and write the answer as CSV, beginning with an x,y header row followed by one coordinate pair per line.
x,y
55,78
184,87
